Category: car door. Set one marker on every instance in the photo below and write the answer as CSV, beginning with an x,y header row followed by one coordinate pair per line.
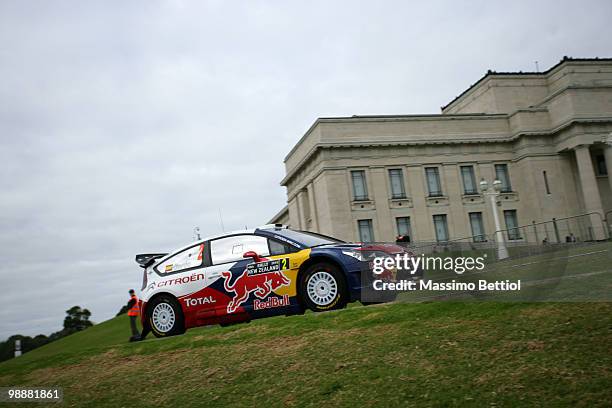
x,y
228,271
292,257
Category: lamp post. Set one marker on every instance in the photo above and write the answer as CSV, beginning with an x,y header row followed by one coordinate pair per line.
x,y
493,193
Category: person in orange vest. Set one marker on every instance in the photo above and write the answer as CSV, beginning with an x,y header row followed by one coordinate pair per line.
x,y
133,307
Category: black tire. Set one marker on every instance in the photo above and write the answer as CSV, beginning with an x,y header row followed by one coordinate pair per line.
x,y
165,317
325,298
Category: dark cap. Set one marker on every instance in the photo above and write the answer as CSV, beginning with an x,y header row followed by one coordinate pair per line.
x,y
131,291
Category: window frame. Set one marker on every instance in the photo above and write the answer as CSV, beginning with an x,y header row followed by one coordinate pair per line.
x,y
292,248
409,225
482,237
516,228
366,196
203,264
436,173
546,185
371,230
212,263
472,174
600,160
445,218
508,187
402,183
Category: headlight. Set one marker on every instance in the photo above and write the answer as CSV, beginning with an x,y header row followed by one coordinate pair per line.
x,y
365,255
355,254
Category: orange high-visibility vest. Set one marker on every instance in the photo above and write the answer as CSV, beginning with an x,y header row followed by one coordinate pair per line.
x,y
135,309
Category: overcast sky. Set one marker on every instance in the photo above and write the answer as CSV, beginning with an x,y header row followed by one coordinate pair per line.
x,y
124,124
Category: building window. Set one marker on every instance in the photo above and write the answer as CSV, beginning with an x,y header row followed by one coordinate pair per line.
x,y
396,178
366,234
433,181
441,227
469,180
477,225
360,189
546,182
403,226
512,224
601,168
501,173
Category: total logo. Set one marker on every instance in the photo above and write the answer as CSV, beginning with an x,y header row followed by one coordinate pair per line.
x,y
271,302
199,301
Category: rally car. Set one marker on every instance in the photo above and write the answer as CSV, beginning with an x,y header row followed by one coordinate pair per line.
x,y
249,274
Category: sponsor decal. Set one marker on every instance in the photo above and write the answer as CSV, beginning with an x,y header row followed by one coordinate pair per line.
x,y
268,266
261,278
206,300
182,280
168,268
271,302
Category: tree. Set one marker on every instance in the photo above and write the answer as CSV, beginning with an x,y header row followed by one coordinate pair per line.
x,y
77,319
7,348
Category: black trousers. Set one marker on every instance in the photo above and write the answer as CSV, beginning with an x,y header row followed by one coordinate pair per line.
x,y
133,326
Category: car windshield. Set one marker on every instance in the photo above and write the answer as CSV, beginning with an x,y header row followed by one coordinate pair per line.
x,y
310,239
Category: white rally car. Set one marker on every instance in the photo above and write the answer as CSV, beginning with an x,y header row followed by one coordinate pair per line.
x,y
250,274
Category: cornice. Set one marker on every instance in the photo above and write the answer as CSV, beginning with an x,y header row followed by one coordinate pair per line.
x,y
425,142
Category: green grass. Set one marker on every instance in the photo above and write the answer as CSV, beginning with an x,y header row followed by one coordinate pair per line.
x,y
395,355
432,354
74,347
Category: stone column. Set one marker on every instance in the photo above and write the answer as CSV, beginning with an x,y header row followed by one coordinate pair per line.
x,y
590,192
313,208
304,209
294,213
457,215
608,156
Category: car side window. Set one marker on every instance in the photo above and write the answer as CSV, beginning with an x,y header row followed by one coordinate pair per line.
x,y
232,249
279,248
187,259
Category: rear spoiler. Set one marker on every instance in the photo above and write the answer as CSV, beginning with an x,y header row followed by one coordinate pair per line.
x,y
145,260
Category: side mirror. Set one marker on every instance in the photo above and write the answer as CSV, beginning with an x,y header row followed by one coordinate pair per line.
x,y
252,254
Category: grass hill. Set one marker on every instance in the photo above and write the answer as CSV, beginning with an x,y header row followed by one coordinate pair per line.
x,y
428,354
404,354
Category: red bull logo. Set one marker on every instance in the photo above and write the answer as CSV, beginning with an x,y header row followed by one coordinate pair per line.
x,y
271,302
261,284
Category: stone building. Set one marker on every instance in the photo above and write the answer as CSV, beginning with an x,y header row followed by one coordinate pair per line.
x,y
545,135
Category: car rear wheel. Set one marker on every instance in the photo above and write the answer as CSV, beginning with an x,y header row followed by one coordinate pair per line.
x,y
323,287
165,317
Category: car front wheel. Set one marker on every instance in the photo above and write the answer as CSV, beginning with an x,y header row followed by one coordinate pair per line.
x,y
323,287
165,317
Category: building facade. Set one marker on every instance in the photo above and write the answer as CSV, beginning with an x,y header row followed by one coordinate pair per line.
x,y
546,136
